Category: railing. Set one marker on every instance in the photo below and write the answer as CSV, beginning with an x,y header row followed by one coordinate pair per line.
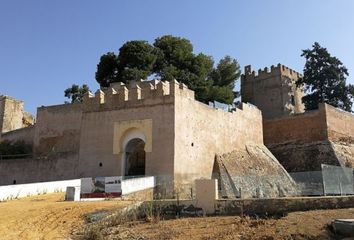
x,y
16,156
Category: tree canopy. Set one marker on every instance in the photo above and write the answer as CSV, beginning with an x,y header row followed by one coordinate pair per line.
x,y
324,80
169,58
75,93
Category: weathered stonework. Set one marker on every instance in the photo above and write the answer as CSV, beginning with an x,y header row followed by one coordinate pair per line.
x,y
273,91
305,141
182,136
12,115
252,173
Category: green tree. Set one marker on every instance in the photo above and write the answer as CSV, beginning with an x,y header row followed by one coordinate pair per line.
x,y
75,93
136,60
170,58
324,80
107,69
224,78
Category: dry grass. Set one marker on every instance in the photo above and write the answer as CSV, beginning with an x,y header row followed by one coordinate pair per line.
x,y
298,225
46,216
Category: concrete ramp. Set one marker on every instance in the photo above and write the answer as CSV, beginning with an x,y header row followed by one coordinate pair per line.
x,y
252,172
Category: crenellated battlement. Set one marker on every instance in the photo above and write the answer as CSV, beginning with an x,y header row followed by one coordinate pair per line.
x,y
120,95
279,70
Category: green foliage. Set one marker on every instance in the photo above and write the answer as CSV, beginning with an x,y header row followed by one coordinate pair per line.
x,y
171,58
135,60
14,148
324,80
107,69
75,93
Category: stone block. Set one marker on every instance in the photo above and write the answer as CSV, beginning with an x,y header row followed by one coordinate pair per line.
x,y
72,194
206,194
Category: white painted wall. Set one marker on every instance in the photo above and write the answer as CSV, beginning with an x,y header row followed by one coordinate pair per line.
x,y
137,184
23,190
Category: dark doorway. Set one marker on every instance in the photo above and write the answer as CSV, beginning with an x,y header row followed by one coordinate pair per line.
x,y
135,158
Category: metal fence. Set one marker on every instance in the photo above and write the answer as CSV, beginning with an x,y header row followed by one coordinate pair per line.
x,y
331,180
308,183
337,180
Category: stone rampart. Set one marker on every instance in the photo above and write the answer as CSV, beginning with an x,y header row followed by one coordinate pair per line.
x,y
326,123
266,73
305,141
136,94
23,134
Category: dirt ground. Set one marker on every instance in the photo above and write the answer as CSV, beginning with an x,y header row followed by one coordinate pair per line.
x,y
49,217
46,216
297,225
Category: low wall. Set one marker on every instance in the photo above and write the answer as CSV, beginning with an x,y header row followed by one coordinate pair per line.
x,y
142,185
34,170
280,206
24,190
137,184
260,207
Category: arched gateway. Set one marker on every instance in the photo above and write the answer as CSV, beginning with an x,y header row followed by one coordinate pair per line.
x,y
134,161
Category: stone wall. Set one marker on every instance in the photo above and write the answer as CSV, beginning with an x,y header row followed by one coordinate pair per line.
x,y
57,130
303,142
23,134
307,127
272,90
326,123
281,206
27,170
181,135
202,132
340,124
12,115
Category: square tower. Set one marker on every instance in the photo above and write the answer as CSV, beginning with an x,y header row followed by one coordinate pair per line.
x,y
12,115
273,91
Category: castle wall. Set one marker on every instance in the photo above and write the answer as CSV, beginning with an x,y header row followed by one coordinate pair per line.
x,y
98,135
23,134
57,130
303,142
326,123
30,170
340,124
202,132
307,127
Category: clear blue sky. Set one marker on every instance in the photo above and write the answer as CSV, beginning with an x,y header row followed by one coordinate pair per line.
x,y
45,46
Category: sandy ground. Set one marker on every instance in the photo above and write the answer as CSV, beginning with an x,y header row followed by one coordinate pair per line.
x,y
297,225
46,216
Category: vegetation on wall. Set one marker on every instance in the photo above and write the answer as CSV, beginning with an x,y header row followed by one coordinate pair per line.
x,y
169,58
75,93
324,80
14,148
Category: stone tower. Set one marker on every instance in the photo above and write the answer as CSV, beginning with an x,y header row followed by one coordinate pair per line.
x,y
12,115
273,91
